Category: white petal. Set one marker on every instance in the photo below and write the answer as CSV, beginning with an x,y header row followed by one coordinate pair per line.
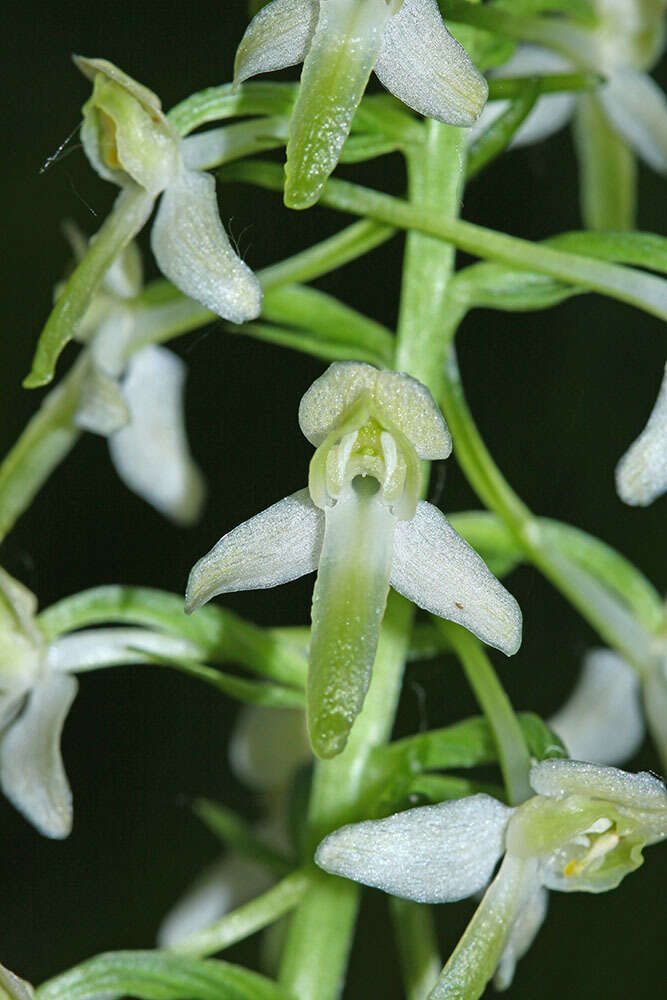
x,y
107,647
529,919
192,250
559,778
13,987
280,544
31,768
151,455
278,36
435,854
602,721
426,68
102,408
436,569
484,940
230,883
267,746
637,108
641,475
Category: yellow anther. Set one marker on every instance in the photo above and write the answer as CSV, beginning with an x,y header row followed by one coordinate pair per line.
x,y
607,842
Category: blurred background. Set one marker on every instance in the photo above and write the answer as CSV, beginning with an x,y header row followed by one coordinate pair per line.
x,y
558,396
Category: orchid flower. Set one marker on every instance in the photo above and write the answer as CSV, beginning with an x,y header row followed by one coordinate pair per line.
x,y
361,524
37,688
340,43
129,141
641,475
133,395
267,746
583,830
624,44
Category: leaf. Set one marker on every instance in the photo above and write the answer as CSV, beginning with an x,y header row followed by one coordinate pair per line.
x,y
154,975
499,134
465,744
237,834
249,692
315,311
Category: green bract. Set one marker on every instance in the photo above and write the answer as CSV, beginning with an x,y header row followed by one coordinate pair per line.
x,y
362,526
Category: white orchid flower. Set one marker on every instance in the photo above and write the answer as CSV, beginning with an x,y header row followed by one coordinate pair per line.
x,y
340,43
129,141
623,46
361,526
134,397
641,475
37,688
602,720
583,830
266,748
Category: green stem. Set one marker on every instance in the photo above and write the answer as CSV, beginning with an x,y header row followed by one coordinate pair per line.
x,y
513,752
250,918
645,291
417,946
43,444
435,179
596,603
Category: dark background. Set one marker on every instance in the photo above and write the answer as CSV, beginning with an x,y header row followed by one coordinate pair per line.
x,y
558,396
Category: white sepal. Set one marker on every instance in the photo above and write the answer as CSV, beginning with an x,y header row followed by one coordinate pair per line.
x,y
278,36
151,454
426,68
31,768
280,544
192,249
637,108
560,778
641,475
602,720
439,571
434,854
109,647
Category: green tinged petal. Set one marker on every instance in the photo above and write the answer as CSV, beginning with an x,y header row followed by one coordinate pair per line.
x,y
348,604
340,60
